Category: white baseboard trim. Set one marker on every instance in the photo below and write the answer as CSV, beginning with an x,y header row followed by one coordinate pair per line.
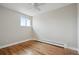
x,y
76,49
4,46
61,45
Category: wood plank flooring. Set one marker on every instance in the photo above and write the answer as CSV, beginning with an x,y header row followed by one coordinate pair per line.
x,y
33,47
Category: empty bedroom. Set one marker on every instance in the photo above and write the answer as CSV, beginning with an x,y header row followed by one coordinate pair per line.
x,y
39,28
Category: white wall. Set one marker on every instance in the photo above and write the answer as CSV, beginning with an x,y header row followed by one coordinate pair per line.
x,y
78,25
57,26
10,29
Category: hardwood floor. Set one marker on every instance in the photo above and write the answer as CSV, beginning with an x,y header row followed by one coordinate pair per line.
x,y
34,47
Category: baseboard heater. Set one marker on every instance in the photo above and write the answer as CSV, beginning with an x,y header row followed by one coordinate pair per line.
x,y
54,44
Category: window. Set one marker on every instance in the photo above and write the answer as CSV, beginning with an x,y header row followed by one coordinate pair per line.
x,y
24,21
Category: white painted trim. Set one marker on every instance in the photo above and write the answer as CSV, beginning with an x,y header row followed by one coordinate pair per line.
x,y
72,48
28,40
54,43
14,43
76,49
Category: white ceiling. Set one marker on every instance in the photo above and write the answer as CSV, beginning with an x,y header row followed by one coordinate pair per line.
x,y
27,8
